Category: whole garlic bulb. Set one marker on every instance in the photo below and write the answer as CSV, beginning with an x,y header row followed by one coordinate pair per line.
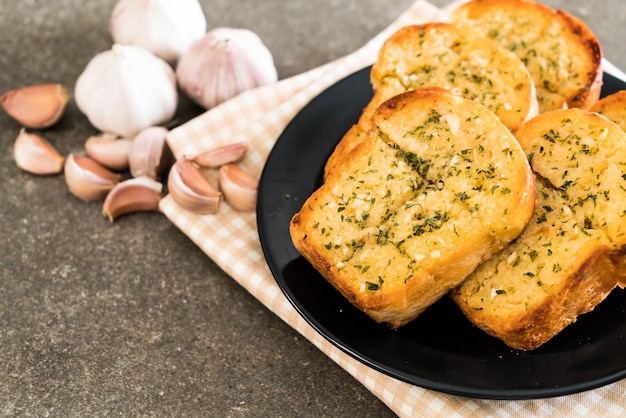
x,y
223,64
126,89
164,27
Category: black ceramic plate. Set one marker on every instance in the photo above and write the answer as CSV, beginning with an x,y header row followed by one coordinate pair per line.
x,y
440,350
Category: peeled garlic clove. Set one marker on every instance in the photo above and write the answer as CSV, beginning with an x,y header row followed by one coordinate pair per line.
x,y
87,179
34,154
139,194
239,187
216,157
190,189
164,27
126,89
109,150
149,153
223,64
37,106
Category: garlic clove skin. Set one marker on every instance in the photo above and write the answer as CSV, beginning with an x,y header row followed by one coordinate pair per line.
x,y
164,27
139,194
109,150
39,106
36,155
239,187
149,153
87,179
223,64
225,154
190,189
126,89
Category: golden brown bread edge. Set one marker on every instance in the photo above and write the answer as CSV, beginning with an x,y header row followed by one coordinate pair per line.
x,y
418,241
613,107
561,52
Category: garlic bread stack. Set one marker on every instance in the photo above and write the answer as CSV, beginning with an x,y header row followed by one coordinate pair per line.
x,y
439,187
440,54
477,169
573,251
561,53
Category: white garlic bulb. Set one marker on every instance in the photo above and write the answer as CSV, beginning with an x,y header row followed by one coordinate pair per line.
x,y
126,89
223,64
164,27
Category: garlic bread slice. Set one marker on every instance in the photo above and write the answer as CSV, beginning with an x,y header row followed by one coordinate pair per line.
x,y
440,186
560,51
573,251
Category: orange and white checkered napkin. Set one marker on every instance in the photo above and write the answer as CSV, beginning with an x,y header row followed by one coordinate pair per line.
x,y
231,239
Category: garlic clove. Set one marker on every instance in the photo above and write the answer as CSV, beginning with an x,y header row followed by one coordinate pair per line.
x,y
223,64
139,194
109,150
38,106
34,154
216,157
239,187
149,153
163,27
126,89
190,189
87,179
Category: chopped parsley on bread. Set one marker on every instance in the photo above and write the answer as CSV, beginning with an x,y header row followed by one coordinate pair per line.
x,y
438,186
452,181
440,54
573,251
560,51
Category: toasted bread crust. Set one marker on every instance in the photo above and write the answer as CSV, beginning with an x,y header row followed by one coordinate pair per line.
x,y
439,186
613,107
572,252
560,51
439,54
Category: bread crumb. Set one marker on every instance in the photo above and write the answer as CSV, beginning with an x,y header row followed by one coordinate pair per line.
x,y
453,122
512,258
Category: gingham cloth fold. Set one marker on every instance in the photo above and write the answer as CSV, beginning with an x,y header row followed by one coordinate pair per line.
x,y
231,239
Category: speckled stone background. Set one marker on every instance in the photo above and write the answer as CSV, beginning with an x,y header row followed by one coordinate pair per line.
x,y
130,318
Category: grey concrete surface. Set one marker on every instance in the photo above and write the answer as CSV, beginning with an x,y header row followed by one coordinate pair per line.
x,y
131,318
